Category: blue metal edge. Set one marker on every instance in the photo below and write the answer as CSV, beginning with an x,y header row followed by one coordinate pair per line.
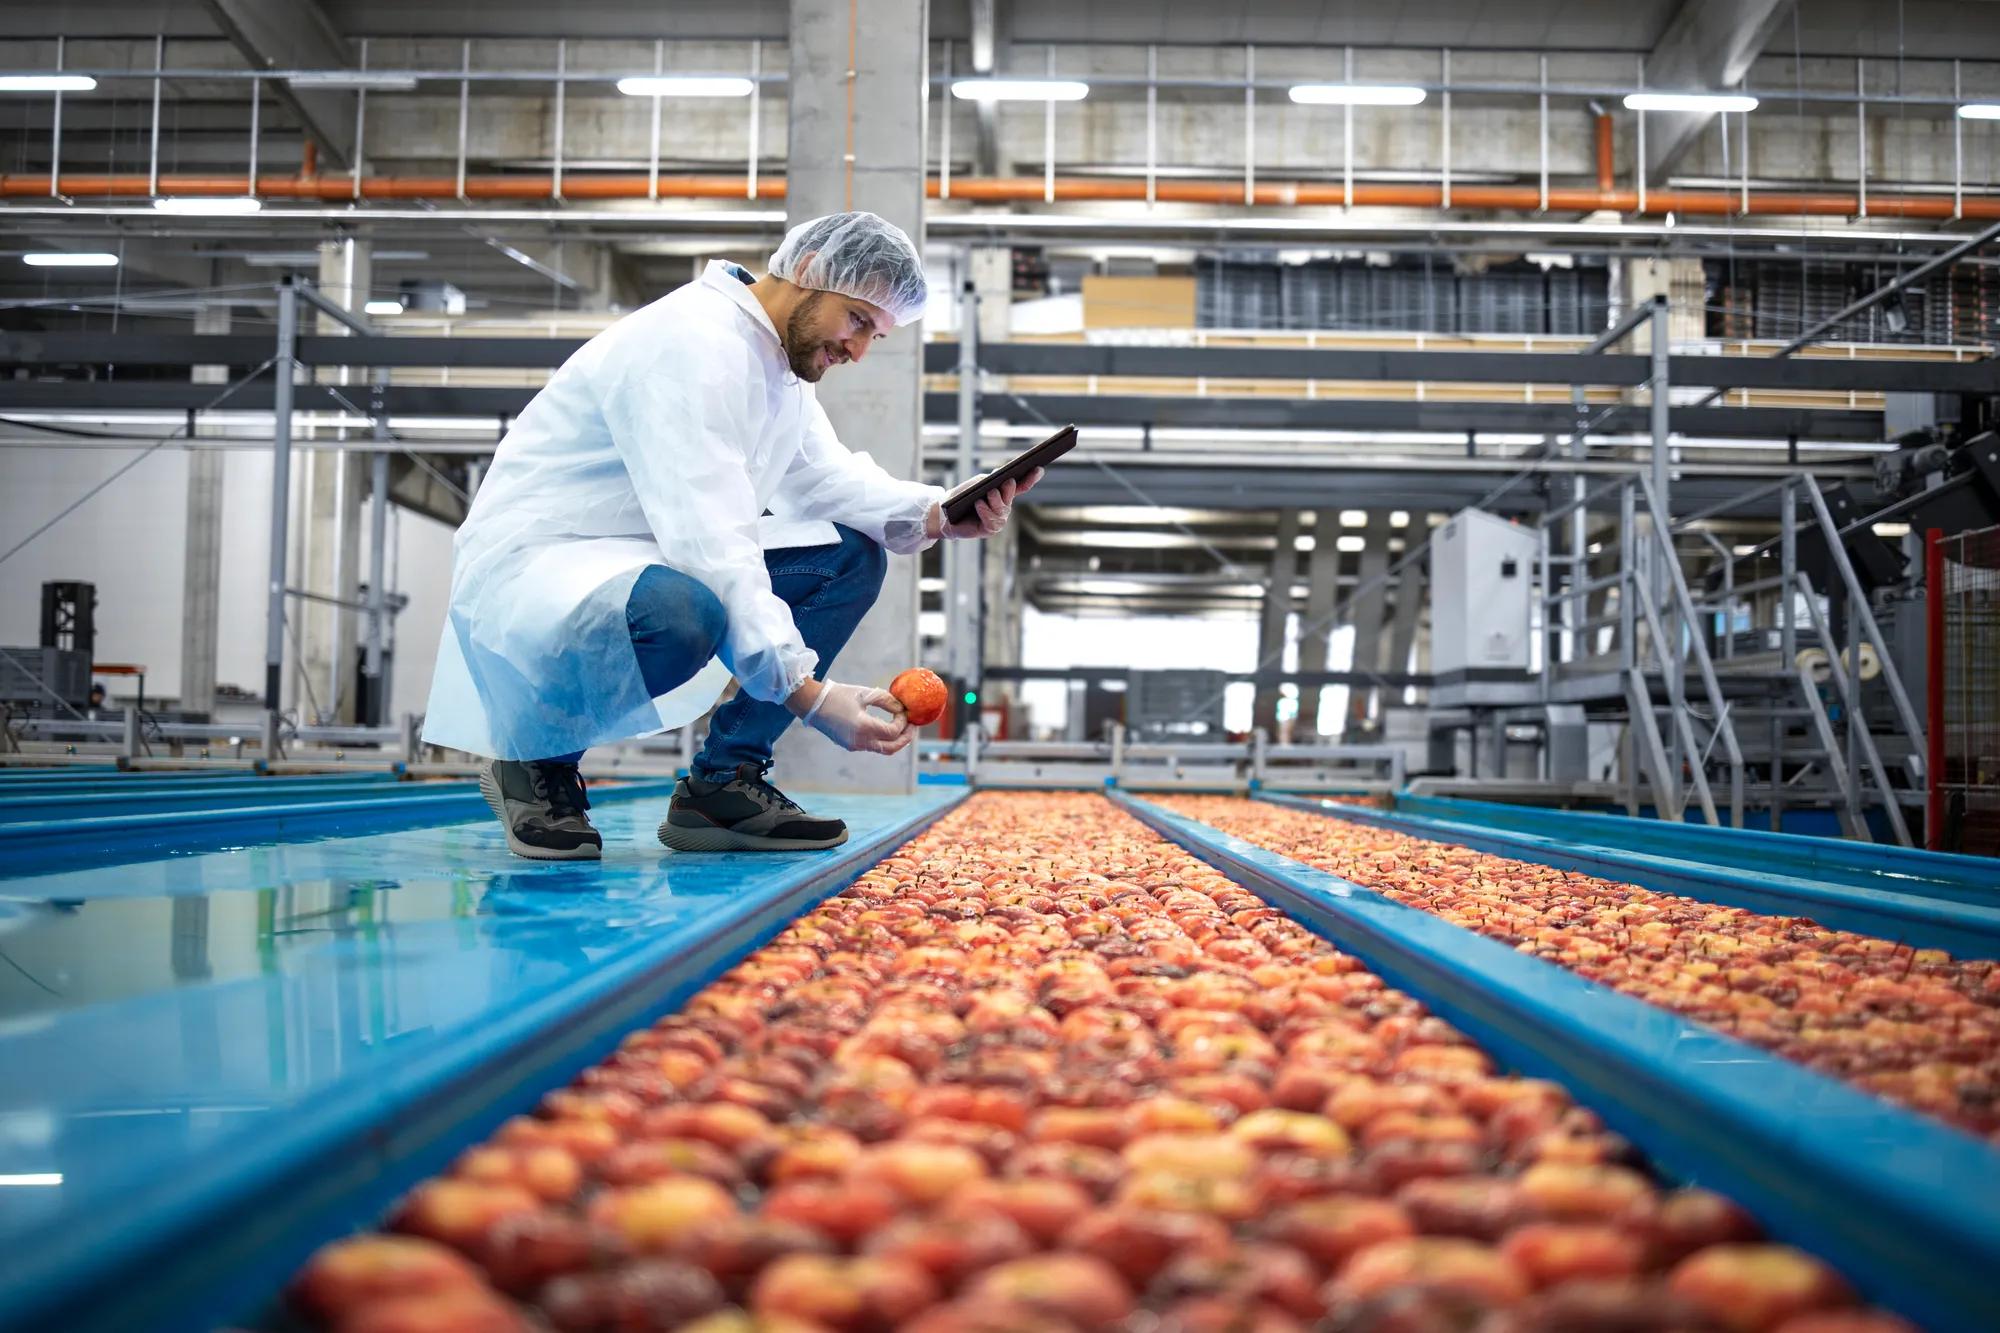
x,y
73,844
193,797
1966,930
211,1250
1839,860
1907,1207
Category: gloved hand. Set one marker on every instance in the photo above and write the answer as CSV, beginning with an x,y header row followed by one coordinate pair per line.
x,y
840,713
989,512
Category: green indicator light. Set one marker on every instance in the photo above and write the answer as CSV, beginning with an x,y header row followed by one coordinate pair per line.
x,y
972,696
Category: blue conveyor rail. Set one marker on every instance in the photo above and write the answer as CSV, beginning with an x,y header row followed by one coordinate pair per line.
x,y
1904,1205
1855,863
42,782
95,840
1929,912
20,807
367,1095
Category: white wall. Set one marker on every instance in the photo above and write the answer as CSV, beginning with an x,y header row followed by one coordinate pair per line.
x,y
126,540
129,540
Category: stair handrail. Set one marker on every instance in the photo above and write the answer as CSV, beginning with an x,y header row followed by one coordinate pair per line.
x,y
1704,664
1857,598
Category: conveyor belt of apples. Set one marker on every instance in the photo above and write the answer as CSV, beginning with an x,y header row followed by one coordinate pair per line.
x,y
1038,1069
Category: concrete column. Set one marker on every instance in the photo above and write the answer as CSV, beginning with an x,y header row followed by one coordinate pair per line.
x,y
330,537
1002,596
1685,285
877,116
992,273
1277,609
1370,596
201,576
1322,592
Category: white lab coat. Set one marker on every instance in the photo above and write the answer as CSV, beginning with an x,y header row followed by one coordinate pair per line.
x,y
661,441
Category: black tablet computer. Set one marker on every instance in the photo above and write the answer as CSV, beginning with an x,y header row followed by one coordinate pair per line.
x,y
958,502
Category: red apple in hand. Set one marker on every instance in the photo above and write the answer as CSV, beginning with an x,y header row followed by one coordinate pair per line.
x,y
922,695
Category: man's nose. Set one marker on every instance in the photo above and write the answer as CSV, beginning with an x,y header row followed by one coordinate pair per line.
x,y
857,347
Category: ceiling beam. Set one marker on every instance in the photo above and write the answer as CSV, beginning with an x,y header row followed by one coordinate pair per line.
x,y
1708,45
296,34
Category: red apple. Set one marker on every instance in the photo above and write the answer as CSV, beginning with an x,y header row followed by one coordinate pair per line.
x,y
1080,1288
1577,1192
437,1312
922,1174
658,1159
1463,1267
641,1297
952,1250
654,1217
1331,1229
845,1210
460,1212
1250,1275
522,1252
1480,1208
345,1275
922,695
1044,1208
1751,1288
1555,1252
859,1293
1139,1242
736,1249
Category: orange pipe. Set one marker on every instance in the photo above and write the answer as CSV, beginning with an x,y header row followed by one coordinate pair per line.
x,y
1605,156
1270,194
309,158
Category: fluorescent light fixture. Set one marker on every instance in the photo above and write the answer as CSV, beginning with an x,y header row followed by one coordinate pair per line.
x,y
33,1178
1357,94
1354,518
1689,102
383,308
355,80
215,206
683,85
1352,544
1020,90
46,83
1979,111
71,259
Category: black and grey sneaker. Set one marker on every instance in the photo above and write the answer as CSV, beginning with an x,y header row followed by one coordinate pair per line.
x,y
743,814
541,804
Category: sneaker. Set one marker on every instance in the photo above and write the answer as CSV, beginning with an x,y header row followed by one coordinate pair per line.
x,y
541,805
743,814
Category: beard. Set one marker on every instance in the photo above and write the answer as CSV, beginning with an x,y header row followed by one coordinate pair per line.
x,y
803,346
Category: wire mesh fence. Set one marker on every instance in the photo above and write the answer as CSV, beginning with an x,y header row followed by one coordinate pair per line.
x,y
1967,800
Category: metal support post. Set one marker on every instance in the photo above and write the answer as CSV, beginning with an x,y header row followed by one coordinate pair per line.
x,y
962,567
129,740
1117,730
1788,567
1260,754
378,546
972,754
282,369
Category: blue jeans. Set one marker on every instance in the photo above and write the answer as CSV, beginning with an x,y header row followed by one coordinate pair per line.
x,y
678,624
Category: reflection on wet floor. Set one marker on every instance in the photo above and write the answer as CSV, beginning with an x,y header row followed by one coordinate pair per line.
x,y
157,1014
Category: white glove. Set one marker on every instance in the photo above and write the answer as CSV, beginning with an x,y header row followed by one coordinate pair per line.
x,y
840,714
989,512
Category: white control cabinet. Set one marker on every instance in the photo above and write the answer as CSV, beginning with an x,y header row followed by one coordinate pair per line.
x,y
1482,580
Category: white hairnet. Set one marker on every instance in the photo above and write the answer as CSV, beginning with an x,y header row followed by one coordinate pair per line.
x,y
859,255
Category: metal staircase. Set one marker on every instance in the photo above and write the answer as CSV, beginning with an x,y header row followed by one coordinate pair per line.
x,y
1709,727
